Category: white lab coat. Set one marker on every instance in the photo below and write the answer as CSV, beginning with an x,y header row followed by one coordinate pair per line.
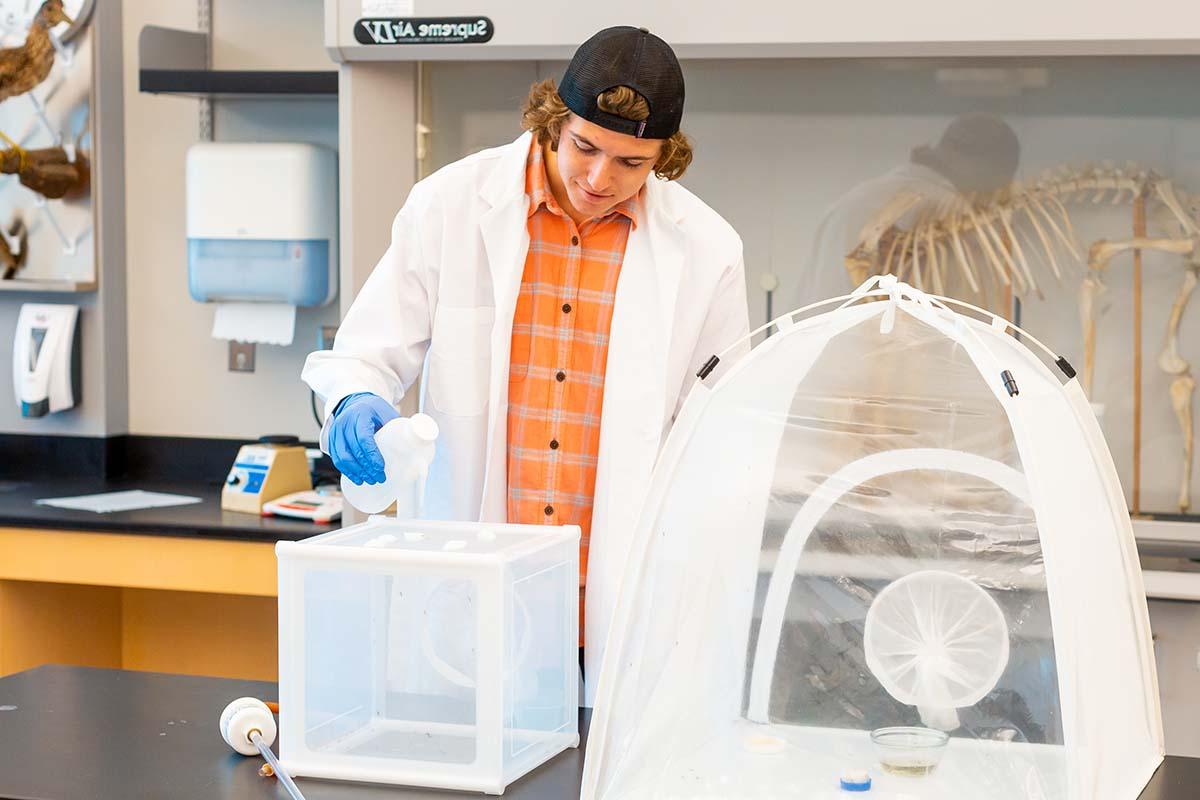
x,y
440,305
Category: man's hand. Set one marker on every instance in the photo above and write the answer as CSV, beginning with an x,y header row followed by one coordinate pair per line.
x,y
352,437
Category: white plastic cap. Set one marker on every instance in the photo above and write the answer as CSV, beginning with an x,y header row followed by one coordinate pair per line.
x,y
423,428
242,716
856,780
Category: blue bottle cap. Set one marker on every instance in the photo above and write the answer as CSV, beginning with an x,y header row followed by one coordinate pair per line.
x,y
856,780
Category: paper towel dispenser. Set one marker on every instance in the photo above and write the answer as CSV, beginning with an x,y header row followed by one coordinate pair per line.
x,y
46,358
262,223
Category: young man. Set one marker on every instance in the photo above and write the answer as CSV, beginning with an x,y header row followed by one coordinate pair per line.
x,y
560,301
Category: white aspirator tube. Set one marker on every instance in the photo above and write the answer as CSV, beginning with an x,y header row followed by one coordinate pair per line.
x,y
248,726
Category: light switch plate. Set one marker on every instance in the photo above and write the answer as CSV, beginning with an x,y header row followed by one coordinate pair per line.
x,y
241,356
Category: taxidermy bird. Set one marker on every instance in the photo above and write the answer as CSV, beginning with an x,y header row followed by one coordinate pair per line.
x,y
24,67
11,261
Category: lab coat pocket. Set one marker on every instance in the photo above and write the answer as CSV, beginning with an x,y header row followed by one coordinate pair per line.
x,y
460,357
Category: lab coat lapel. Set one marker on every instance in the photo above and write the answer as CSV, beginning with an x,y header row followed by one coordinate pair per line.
x,y
506,242
636,404
640,339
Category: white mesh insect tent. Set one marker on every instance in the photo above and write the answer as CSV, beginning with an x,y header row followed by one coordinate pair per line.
x,y
890,514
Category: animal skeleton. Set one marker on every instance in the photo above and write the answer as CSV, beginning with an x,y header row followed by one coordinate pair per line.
x,y
999,233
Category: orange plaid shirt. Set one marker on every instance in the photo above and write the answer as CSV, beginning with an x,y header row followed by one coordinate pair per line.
x,y
559,355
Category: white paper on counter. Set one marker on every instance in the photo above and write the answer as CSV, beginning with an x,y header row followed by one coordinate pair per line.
x,y
107,502
261,323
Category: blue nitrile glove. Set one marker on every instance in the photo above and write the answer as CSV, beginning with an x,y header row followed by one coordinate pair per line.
x,y
352,436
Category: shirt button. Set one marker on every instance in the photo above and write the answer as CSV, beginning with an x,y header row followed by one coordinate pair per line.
x,y
575,240
560,376
566,308
549,510
554,444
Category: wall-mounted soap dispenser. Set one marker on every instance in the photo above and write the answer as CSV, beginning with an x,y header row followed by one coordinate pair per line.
x,y
46,359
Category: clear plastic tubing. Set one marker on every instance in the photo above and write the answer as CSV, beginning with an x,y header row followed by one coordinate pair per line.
x,y
280,772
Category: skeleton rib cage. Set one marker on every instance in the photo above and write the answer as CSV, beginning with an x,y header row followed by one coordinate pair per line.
x,y
990,239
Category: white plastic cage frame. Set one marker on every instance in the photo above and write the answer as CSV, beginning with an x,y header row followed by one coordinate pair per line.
x,y
394,585
1123,715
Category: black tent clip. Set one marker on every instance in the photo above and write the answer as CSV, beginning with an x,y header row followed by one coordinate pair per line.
x,y
1010,383
1066,367
708,367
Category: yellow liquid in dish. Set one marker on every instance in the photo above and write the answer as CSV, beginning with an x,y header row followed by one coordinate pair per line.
x,y
910,769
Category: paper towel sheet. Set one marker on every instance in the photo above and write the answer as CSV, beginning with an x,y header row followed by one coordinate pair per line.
x,y
108,502
265,323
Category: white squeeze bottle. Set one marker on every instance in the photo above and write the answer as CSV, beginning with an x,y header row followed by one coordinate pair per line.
x,y
407,445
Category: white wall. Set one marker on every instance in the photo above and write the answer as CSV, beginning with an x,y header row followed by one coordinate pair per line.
x,y
780,141
178,381
266,34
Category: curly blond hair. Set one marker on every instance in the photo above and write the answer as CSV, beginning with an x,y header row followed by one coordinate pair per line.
x,y
544,113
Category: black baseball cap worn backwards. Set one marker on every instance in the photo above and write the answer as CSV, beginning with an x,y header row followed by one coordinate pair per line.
x,y
626,56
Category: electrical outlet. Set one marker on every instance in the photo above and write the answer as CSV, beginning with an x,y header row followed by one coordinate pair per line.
x,y
328,332
241,356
